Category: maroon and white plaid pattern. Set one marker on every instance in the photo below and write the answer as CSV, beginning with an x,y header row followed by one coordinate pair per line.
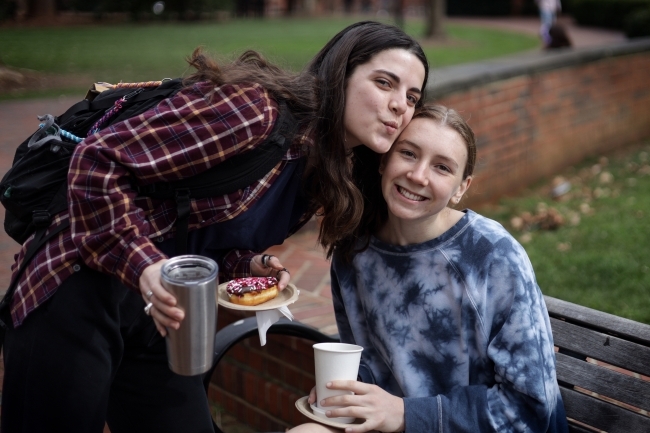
x,y
112,230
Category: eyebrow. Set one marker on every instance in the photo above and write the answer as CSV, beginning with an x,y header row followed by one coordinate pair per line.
x,y
398,80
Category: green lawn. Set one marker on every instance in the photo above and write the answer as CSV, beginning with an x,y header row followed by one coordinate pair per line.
x,y
130,52
600,256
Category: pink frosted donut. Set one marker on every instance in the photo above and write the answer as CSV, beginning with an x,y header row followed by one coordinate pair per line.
x,y
252,290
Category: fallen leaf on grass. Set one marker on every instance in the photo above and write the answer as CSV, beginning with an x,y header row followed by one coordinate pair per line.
x,y
545,218
574,218
601,192
606,177
596,169
586,209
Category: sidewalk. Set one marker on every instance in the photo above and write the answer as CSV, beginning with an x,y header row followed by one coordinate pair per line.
x,y
300,253
580,36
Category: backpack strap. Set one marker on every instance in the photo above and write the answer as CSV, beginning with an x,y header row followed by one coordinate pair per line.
x,y
165,90
235,173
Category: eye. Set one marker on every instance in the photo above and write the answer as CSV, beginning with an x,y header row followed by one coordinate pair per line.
x,y
413,100
383,82
407,153
443,168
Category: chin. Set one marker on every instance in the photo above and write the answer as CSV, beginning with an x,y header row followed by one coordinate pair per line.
x,y
381,147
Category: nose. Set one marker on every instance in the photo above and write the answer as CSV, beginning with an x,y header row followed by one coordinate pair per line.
x,y
398,104
419,175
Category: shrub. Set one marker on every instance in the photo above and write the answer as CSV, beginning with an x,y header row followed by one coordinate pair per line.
x,y
637,23
478,7
605,13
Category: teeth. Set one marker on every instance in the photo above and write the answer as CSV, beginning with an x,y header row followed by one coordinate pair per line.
x,y
409,195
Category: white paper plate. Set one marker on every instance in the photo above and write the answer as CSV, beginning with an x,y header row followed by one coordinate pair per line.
x,y
303,407
287,296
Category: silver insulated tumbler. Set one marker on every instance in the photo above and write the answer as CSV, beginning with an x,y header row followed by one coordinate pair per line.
x,y
193,282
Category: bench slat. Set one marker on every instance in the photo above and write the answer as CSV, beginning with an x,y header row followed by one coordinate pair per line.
x,y
603,416
603,347
615,385
605,322
575,428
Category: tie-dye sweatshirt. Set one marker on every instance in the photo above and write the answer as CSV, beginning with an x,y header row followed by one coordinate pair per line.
x,y
457,326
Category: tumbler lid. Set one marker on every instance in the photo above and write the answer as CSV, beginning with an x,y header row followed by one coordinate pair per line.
x,y
189,270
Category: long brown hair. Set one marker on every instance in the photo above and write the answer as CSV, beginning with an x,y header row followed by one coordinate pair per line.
x,y
335,184
375,210
317,98
251,67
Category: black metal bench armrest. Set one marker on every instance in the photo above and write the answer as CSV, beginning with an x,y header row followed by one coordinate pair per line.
x,y
232,334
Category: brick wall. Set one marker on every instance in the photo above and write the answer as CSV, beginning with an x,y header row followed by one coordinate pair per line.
x,y
259,385
531,125
533,115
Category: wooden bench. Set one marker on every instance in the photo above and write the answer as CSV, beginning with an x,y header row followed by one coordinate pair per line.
x,y
603,364
594,349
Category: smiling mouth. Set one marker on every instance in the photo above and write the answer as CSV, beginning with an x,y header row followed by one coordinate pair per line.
x,y
409,195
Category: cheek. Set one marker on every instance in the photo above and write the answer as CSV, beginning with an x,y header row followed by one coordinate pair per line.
x,y
408,116
385,186
350,117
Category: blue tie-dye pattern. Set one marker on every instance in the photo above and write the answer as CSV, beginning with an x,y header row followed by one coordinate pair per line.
x,y
457,326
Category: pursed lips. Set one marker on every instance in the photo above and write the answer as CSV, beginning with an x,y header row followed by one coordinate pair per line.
x,y
391,124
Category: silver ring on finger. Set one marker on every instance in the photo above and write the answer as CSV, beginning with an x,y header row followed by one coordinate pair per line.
x,y
265,260
149,294
147,309
282,270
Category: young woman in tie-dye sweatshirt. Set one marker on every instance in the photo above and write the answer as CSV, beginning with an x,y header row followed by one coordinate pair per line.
x,y
455,331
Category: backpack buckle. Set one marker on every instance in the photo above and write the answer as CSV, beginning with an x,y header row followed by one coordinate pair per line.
x,y
41,218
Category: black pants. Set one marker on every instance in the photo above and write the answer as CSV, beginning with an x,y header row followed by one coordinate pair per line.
x,y
90,355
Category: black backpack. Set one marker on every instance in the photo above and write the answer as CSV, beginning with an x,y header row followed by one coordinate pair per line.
x,y
35,187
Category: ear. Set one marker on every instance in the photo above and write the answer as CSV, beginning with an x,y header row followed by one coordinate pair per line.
x,y
462,189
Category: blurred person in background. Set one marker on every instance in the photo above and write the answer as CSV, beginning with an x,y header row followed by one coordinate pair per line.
x,y
548,10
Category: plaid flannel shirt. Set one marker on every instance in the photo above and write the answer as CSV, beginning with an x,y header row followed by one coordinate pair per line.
x,y
113,230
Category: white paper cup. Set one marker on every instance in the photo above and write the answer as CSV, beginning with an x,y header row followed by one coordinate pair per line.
x,y
334,361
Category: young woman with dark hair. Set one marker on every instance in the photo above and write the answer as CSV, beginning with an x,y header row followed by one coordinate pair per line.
x,y
83,349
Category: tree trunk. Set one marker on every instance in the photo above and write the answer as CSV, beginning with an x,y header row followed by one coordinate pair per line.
x,y
398,12
436,12
41,8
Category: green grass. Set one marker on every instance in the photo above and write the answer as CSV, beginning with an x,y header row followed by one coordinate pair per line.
x,y
600,256
130,52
